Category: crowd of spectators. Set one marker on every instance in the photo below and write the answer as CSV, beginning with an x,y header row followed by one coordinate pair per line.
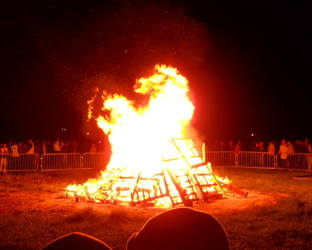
x,y
282,147
72,146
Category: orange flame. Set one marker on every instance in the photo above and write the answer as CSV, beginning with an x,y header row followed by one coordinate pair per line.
x,y
148,162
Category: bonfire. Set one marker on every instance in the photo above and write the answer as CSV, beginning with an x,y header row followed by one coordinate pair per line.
x,y
153,162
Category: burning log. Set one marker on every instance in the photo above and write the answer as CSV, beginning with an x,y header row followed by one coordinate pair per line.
x,y
235,190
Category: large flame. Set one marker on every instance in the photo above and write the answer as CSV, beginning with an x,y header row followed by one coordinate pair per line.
x,y
139,136
148,158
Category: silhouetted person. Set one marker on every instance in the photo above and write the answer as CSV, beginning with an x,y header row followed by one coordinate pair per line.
x,y
3,158
261,155
308,150
76,241
57,146
14,150
291,152
271,155
180,229
283,152
236,153
31,147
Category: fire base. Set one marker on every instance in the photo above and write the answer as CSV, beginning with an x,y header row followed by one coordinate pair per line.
x,y
183,179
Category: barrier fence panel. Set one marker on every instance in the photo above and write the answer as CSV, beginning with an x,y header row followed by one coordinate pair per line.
x,y
60,161
256,160
300,161
19,162
297,161
220,158
94,160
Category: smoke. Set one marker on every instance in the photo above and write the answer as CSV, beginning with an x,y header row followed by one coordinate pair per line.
x,y
118,44
127,43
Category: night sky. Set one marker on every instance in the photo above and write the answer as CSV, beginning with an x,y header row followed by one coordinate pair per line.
x,y
248,62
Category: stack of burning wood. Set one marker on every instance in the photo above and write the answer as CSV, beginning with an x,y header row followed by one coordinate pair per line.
x,y
183,179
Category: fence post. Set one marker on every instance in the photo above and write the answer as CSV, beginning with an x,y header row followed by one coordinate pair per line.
x,y
40,163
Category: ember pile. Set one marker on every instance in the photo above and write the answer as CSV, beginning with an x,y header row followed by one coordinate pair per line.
x,y
152,162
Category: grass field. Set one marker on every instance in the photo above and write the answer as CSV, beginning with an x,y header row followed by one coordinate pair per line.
x,y
276,215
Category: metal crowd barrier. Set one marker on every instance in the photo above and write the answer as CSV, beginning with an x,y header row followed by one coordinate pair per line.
x,y
94,160
72,161
220,158
19,162
60,161
297,161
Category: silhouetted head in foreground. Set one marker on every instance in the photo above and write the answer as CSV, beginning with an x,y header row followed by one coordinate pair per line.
x,y
180,229
76,241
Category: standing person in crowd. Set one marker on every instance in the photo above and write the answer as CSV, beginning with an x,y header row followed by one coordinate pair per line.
x,y
66,147
3,158
30,158
15,155
291,152
57,146
261,146
236,153
283,152
49,146
22,147
301,159
298,146
31,149
14,149
254,146
44,147
308,149
261,155
271,155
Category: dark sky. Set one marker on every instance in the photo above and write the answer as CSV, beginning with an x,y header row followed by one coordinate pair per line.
x,y
248,62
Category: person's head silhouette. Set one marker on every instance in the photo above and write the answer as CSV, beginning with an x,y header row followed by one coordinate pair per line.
x,y
180,229
76,241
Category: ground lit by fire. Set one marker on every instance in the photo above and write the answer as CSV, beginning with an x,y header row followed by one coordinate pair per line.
x,y
152,162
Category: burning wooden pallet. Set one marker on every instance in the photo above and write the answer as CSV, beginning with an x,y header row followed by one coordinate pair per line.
x,y
184,179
